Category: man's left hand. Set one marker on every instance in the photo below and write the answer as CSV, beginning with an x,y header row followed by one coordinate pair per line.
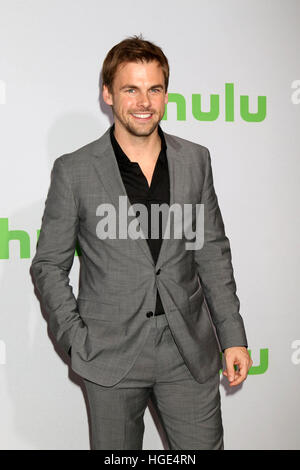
x,y
239,356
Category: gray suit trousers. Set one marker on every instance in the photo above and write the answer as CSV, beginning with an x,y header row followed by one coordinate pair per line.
x,y
189,411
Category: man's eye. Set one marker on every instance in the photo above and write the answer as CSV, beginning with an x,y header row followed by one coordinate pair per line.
x,y
155,90
131,90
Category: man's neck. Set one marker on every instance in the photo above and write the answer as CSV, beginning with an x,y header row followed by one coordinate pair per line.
x,y
138,148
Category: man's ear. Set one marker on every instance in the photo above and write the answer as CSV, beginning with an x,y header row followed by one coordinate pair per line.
x,y
107,95
166,98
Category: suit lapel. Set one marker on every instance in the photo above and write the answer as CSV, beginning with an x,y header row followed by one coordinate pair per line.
x,y
177,185
108,171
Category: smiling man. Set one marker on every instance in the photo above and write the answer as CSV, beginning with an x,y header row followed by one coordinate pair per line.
x,y
151,316
137,94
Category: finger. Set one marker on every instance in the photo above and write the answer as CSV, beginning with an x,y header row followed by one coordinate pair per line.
x,y
230,372
241,376
236,382
226,373
244,369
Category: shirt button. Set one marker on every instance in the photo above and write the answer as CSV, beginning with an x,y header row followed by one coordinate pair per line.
x,y
158,271
149,314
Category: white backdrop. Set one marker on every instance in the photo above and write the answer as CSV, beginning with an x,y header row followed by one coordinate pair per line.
x,y
51,54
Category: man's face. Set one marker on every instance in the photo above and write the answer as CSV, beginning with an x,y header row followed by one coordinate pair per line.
x,y
138,97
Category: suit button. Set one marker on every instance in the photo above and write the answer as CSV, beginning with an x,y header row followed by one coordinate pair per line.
x,y
149,314
158,271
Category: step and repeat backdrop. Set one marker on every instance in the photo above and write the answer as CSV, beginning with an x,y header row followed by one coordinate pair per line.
x,y
234,88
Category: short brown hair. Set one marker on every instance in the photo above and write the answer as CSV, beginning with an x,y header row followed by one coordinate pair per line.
x,y
132,49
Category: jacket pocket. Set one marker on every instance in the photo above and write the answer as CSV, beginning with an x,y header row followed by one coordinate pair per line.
x,y
98,310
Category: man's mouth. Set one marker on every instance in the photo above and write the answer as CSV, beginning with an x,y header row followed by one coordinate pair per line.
x,y
143,116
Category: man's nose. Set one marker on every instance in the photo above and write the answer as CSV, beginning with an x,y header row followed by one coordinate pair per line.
x,y
144,99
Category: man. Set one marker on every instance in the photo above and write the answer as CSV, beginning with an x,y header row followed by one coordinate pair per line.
x,y
140,327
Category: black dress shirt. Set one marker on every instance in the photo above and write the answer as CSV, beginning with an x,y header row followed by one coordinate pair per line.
x,y
138,191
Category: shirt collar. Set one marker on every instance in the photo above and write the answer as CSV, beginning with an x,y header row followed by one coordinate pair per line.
x,y
122,157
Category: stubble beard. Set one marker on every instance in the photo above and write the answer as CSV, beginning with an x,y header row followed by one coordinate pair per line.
x,y
135,129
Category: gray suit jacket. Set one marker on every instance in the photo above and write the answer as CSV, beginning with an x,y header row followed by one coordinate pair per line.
x,y
107,324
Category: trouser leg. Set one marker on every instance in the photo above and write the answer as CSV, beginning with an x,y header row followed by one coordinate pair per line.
x,y
117,413
116,417
189,411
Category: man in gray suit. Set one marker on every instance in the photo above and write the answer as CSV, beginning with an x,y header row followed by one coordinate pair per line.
x,y
152,313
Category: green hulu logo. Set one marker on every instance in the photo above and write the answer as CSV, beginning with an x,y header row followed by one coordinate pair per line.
x,y
263,363
22,236
214,112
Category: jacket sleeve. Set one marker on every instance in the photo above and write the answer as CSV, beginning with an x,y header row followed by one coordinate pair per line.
x,y
216,272
54,257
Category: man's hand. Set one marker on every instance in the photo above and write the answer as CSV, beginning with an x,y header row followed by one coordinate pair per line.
x,y
238,356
